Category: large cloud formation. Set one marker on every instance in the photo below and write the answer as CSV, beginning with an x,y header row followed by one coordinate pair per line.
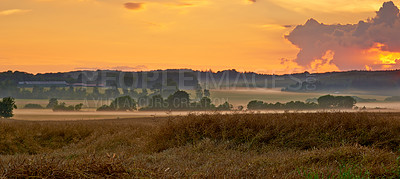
x,y
370,44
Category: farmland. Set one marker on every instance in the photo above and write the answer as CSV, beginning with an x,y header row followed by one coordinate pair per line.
x,y
288,145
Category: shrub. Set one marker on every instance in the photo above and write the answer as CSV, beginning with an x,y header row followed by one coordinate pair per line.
x,y
64,107
33,106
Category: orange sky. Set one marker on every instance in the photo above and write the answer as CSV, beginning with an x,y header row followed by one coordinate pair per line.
x,y
63,35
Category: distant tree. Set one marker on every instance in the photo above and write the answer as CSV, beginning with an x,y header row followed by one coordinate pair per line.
x,y
124,103
133,93
125,91
170,88
179,100
78,107
205,102
256,105
7,105
144,92
157,102
225,107
240,108
199,92
327,101
347,102
157,87
143,100
37,92
63,107
207,93
52,102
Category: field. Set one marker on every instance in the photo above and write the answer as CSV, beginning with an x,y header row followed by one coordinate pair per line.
x,y
238,96
288,145
234,96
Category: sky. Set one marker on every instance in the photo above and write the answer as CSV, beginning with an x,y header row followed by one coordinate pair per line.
x,y
40,36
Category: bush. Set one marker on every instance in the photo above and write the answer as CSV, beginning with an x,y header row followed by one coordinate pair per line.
x,y
64,107
105,108
33,106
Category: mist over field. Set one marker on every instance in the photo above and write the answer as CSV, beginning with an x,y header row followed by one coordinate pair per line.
x,y
199,89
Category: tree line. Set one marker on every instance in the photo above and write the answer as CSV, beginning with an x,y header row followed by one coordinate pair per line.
x,y
323,102
178,101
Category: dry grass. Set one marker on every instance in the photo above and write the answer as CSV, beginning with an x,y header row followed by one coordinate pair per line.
x,y
238,145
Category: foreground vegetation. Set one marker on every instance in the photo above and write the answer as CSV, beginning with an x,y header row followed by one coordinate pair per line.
x,y
291,145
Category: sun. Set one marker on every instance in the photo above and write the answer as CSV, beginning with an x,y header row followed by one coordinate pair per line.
x,y
383,57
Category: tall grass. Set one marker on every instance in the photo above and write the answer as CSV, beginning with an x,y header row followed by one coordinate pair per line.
x,y
290,145
290,130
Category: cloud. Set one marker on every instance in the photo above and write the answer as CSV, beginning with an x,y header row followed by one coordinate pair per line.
x,y
354,46
134,6
275,27
13,12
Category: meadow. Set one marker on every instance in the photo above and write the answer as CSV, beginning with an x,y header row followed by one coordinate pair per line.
x,y
288,145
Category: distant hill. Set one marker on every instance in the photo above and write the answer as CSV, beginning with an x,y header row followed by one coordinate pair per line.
x,y
374,81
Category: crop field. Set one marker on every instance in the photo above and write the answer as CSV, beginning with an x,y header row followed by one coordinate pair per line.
x,y
288,145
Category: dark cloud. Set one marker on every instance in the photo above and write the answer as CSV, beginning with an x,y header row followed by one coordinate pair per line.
x,y
133,5
253,1
350,43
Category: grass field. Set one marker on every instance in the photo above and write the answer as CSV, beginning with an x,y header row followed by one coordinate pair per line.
x,y
289,145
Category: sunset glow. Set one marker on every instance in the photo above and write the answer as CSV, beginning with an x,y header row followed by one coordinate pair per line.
x,y
247,35
382,57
